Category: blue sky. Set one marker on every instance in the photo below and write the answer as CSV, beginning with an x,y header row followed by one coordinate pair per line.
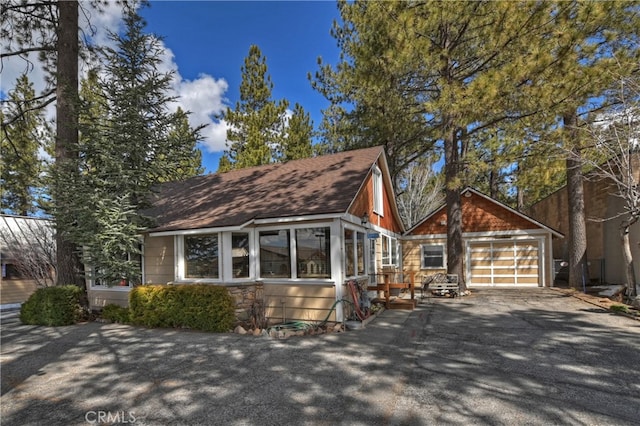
x,y
205,44
212,39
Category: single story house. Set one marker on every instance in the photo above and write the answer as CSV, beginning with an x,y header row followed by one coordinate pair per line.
x,y
284,237
502,247
604,212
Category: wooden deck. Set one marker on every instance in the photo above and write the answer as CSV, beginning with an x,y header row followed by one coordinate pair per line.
x,y
385,288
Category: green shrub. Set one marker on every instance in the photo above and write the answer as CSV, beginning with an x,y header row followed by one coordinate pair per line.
x,y
198,306
115,313
619,308
59,305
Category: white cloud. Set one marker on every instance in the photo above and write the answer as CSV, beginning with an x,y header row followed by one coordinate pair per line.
x,y
204,97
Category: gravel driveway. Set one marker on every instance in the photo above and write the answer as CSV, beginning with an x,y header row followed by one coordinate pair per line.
x,y
534,356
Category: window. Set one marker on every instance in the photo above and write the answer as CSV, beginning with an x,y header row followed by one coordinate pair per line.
x,y
313,254
432,256
354,253
360,252
378,206
275,254
11,272
389,251
123,271
240,254
201,256
349,243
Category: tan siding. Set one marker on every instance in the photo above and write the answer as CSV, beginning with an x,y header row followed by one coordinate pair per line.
x,y
411,261
159,260
16,291
600,203
301,302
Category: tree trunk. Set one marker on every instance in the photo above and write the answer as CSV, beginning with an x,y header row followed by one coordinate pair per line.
x,y
66,125
627,257
454,207
578,268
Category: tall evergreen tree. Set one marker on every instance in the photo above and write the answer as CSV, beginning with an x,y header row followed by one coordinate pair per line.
x,y
130,142
296,142
50,29
20,143
256,125
590,40
441,71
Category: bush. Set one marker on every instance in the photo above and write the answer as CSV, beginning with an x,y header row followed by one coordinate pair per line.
x,y
197,306
115,313
59,305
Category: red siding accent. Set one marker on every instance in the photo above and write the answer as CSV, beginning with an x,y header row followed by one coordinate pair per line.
x,y
479,214
364,204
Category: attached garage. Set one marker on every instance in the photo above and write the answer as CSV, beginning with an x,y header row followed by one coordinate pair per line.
x,y
504,263
502,247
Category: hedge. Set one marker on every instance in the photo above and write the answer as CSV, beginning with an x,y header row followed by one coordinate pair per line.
x,y
58,305
115,313
196,306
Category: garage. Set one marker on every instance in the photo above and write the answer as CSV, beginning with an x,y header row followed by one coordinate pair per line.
x,y
502,247
503,263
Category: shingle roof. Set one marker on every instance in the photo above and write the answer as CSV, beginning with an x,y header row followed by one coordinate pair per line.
x,y
317,185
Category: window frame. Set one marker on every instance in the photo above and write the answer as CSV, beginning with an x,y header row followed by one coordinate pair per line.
x,y
326,252
391,243
219,261
443,256
290,267
292,229
357,253
378,193
94,285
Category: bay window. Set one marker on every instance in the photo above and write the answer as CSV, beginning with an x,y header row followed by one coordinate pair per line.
x,y
240,254
201,256
275,254
313,252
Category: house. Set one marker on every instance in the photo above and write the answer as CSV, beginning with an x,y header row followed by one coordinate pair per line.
x,y
604,212
27,257
283,237
501,246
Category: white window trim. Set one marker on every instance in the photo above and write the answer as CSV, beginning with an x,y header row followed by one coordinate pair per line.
x,y
365,254
181,264
128,287
394,260
293,252
378,193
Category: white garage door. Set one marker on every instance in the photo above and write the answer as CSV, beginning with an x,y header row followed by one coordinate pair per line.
x,y
503,263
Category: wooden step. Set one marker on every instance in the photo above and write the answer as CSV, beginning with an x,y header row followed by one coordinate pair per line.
x,y
407,304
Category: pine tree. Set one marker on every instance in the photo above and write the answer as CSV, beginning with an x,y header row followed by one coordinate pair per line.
x,y
439,73
51,30
130,142
256,125
296,142
20,143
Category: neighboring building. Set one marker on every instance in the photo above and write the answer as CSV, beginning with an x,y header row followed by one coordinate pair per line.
x,y
502,247
27,253
604,211
287,235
